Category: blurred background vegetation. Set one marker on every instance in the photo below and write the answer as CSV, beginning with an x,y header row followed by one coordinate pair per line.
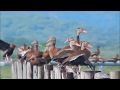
x,y
25,26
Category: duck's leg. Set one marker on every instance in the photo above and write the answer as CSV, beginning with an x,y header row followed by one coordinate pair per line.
x,y
6,58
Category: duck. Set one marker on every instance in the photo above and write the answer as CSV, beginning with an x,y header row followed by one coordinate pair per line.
x,y
65,52
79,30
96,53
114,59
46,55
52,48
101,59
94,59
80,57
8,49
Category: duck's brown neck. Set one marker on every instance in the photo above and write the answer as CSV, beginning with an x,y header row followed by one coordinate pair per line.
x,y
71,44
35,48
52,46
78,39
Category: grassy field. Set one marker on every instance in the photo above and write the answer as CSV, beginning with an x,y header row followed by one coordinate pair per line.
x,y
5,72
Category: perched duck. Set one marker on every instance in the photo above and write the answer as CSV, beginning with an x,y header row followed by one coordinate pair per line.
x,y
52,48
66,52
80,30
96,53
94,58
114,59
80,57
46,55
101,59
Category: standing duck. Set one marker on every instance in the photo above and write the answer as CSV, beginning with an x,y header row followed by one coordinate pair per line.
x,y
114,59
80,30
46,55
80,57
52,48
66,52
96,53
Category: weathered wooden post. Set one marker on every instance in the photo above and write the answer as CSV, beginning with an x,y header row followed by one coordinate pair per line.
x,y
115,75
19,69
24,70
14,70
40,72
87,74
29,71
57,72
69,75
63,72
47,71
52,74
49,68
35,72
78,76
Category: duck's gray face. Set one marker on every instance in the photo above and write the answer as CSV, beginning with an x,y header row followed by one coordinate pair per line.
x,y
69,39
50,43
51,39
80,30
86,44
35,42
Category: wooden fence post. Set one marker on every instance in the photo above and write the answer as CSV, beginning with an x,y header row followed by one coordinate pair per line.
x,y
24,70
52,74
35,72
45,72
29,71
115,75
87,74
40,72
57,72
70,75
49,68
19,69
14,70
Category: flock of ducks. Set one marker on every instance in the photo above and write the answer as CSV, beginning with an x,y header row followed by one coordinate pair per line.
x,y
77,53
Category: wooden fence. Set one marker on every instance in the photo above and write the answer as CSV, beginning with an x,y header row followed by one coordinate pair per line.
x,y
27,71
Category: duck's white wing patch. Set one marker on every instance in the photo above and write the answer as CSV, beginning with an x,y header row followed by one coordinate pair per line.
x,y
23,53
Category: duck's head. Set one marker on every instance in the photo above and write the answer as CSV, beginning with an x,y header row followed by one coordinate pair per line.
x,y
35,42
52,38
69,39
81,30
85,44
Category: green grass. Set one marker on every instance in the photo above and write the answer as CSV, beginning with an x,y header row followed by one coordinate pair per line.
x,y
107,69
5,71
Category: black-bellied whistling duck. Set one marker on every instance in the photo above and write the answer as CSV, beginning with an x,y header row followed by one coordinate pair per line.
x,y
8,50
52,48
80,30
22,51
46,55
80,57
96,53
64,53
94,58
101,59
114,59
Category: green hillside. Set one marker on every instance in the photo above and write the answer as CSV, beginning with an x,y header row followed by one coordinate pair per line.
x,y
24,28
